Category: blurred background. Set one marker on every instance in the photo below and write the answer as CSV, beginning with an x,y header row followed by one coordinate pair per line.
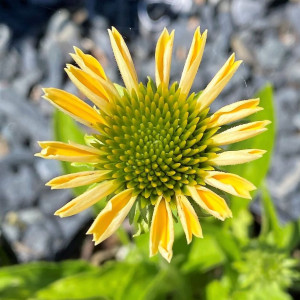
x,y
35,39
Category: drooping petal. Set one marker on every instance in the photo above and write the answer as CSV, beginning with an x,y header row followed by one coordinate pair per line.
x,y
188,218
78,179
73,106
89,86
193,61
162,231
230,183
217,84
240,133
69,152
211,202
234,112
163,57
91,66
124,60
237,157
88,198
112,216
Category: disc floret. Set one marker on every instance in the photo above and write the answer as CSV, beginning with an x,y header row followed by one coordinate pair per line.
x,y
156,142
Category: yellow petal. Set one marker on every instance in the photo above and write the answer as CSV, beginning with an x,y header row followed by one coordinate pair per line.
x,y
162,231
237,157
230,183
188,218
112,216
73,106
163,57
211,202
69,152
87,199
91,66
78,179
88,63
193,61
240,133
89,86
234,112
124,60
217,84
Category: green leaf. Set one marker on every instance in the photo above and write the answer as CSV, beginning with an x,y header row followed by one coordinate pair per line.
x,y
65,130
218,289
23,281
286,236
119,280
269,217
226,241
205,254
262,292
257,170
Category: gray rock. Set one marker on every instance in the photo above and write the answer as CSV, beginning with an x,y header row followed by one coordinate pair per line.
x,y
19,187
289,145
47,169
244,12
270,55
292,72
38,242
293,16
287,103
5,36
71,225
52,200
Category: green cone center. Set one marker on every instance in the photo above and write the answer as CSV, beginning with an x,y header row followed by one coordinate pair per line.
x,y
156,142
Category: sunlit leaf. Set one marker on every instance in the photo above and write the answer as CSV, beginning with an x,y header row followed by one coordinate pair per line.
x,y
22,281
119,280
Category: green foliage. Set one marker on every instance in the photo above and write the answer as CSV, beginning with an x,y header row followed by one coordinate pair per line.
x,y
23,281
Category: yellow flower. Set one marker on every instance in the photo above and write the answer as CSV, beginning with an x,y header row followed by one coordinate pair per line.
x,y
156,149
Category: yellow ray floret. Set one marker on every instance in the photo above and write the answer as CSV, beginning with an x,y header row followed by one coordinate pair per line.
x,y
230,183
112,216
89,86
78,179
211,202
124,60
74,107
88,198
193,61
188,218
69,152
162,231
163,57
91,66
234,112
228,158
217,84
240,133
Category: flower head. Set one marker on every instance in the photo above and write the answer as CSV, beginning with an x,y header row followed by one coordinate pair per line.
x,y
156,149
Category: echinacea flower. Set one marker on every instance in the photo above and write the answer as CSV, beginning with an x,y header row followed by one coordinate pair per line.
x,y
156,149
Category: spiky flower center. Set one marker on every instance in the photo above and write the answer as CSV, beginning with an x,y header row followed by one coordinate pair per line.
x,y
156,142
